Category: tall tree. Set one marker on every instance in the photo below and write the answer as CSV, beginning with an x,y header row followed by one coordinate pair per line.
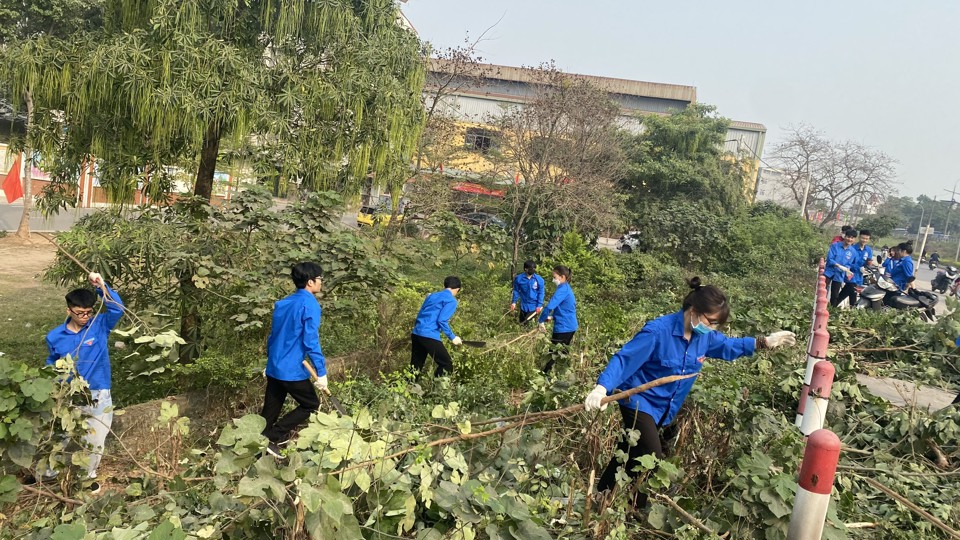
x,y
834,176
327,93
681,157
563,150
33,33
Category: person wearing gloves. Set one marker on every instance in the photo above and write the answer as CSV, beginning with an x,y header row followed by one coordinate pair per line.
x,y
528,289
294,337
432,319
562,310
840,260
674,344
84,337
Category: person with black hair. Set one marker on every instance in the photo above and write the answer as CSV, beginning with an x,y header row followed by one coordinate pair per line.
x,y
84,337
841,259
562,310
902,271
843,233
675,344
864,257
294,337
432,319
528,289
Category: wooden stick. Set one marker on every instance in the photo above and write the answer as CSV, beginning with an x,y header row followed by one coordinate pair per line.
x,y
689,518
67,253
52,495
920,511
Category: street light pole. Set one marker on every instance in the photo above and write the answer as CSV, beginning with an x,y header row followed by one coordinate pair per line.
x,y
919,225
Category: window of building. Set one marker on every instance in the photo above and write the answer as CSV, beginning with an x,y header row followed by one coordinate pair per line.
x,y
480,140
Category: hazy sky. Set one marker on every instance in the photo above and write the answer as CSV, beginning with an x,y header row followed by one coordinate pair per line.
x,y
883,73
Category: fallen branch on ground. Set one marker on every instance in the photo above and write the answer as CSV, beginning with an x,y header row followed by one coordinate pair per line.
x,y
528,419
919,511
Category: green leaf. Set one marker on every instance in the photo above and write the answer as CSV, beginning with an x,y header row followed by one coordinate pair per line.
x,y
69,531
9,487
37,389
167,531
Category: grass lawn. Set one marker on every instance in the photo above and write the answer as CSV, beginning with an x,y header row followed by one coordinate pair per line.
x,y
29,307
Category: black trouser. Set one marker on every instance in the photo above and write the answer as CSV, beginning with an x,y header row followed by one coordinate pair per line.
x,y
277,391
421,346
649,443
526,316
558,338
841,291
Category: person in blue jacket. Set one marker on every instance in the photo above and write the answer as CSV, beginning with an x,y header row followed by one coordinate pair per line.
x,y
528,289
84,337
432,320
840,260
675,344
890,261
294,337
864,257
902,272
562,310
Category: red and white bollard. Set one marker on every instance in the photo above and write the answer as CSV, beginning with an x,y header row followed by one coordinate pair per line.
x,y
819,467
816,353
818,397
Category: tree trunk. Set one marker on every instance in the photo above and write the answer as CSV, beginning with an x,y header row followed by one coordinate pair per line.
x,y
23,230
203,186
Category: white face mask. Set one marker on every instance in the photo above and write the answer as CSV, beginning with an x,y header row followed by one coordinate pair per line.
x,y
557,281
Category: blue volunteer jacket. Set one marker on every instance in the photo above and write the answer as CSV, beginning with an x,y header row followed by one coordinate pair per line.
x,y
888,264
434,315
529,290
563,307
863,256
88,347
294,336
660,350
902,272
838,254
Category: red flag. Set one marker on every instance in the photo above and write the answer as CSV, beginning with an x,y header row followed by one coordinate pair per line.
x,y
12,187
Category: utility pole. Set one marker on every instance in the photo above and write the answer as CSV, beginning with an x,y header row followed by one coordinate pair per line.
x,y
806,193
923,245
953,197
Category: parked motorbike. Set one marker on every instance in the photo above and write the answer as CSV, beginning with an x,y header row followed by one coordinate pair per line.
x,y
884,294
945,279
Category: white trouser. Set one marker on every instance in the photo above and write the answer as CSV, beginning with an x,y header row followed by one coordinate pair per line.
x,y
99,419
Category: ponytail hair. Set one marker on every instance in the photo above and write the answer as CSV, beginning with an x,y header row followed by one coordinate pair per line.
x,y
564,271
707,299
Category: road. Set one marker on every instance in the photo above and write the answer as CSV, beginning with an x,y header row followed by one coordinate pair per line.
x,y
924,277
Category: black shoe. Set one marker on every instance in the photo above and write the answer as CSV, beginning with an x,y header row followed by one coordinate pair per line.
x,y
274,450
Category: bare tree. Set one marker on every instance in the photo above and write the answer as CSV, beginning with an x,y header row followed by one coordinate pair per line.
x,y
564,150
832,175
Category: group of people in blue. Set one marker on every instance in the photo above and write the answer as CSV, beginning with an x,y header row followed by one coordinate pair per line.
x,y
674,344
850,252
438,308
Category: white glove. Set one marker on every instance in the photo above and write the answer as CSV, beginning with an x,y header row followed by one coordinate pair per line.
x,y
783,337
513,306
95,279
457,341
321,383
542,327
592,402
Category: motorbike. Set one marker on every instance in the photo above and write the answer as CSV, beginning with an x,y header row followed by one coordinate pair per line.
x,y
934,265
945,279
884,294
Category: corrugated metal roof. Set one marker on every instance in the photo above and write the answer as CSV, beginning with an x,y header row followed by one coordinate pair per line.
x,y
748,126
616,86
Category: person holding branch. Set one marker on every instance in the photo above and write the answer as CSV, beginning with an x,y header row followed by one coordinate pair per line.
x,y
675,344
294,335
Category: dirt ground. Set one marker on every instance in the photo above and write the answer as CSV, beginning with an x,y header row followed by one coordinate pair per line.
x,y
21,263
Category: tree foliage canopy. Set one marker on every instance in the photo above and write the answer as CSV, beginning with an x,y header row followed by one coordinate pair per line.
x,y
681,157
321,94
